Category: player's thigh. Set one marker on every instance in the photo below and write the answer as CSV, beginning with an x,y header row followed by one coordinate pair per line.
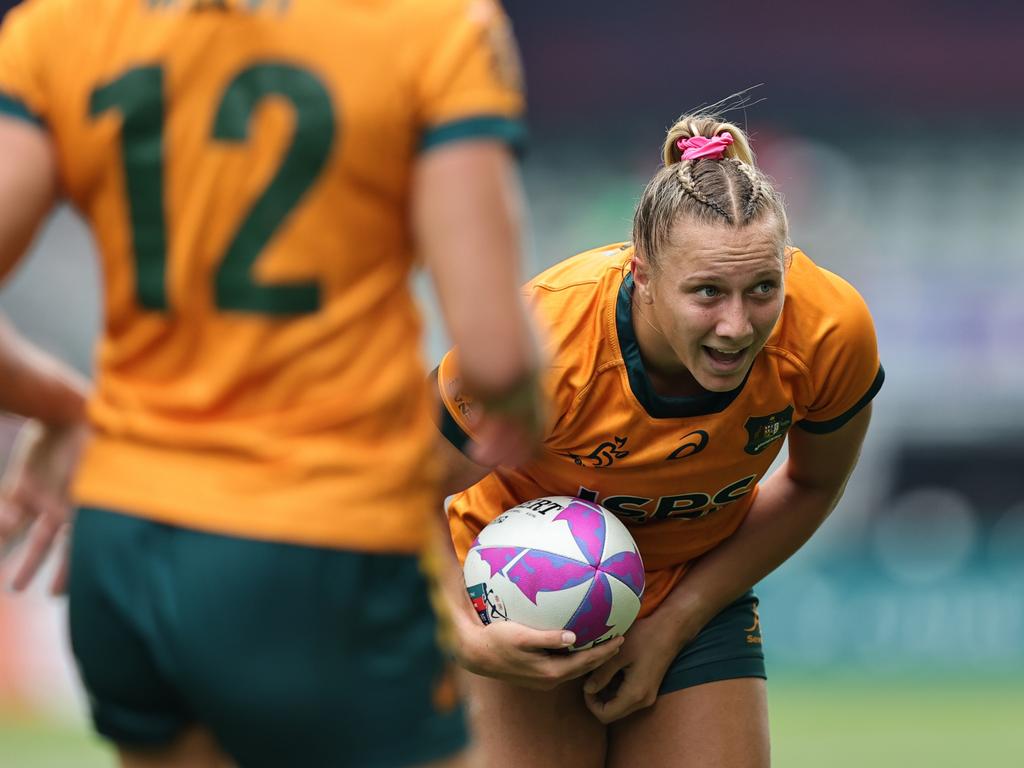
x,y
517,727
194,748
723,724
711,708
461,760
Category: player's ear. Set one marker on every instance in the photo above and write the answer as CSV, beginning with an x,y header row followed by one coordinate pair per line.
x,y
642,279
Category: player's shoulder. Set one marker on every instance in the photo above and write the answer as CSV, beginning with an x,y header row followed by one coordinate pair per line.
x,y
35,38
574,303
584,271
575,291
818,294
436,14
83,19
412,13
31,13
821,307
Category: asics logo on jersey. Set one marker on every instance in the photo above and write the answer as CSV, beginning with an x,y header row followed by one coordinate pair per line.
x,y
680,506
694,442
602,456
762,431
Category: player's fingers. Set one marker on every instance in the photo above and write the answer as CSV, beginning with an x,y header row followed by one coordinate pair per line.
x,y
26,501
607,710
59,585
617,709
530,639
599,708
589,666
571,666
9,515
483,453
501,442
6,514
40,540
597,656
595,704
493,452
627,699
13,519
492,435
602,675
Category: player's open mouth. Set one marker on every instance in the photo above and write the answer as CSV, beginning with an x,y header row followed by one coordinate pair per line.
x,y
725,359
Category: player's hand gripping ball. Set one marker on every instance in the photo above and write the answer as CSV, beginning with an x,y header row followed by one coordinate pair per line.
x,y
557,563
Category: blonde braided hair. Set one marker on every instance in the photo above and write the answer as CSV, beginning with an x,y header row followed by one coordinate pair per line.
x,y
732,190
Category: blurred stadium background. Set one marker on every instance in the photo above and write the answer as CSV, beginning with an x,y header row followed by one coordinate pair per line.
x,y
897,635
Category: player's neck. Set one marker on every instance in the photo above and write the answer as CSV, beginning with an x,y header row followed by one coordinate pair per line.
x,y
678,382
668,376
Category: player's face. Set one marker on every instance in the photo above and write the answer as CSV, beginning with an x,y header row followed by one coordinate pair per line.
x,y
713,300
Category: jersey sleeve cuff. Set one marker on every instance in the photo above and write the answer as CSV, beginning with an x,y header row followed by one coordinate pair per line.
x,y
506,129
449,427
824,427
12,107
452,432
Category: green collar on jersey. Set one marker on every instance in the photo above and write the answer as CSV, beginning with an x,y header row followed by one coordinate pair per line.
x,y
659,406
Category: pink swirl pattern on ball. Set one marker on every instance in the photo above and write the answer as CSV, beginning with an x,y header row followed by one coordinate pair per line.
x,y
539,571
591,619
627,568
498,557
587,526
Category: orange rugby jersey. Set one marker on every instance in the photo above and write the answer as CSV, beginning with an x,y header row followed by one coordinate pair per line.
x,y
681,472
245,169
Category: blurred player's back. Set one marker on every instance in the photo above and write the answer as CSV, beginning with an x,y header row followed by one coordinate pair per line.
x,y
245,169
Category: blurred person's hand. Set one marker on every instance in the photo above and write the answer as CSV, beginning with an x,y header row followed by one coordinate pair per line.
x,y
34,500
510,429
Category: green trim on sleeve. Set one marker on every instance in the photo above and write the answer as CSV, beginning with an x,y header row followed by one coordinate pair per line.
x,y
13,107
824,427
509,130
452,432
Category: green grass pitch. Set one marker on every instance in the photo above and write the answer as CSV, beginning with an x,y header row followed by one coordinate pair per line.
x,y
836,720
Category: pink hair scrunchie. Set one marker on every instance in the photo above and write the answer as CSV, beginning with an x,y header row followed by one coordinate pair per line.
x,y
700,147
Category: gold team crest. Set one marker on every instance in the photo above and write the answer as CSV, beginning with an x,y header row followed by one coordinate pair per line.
x,y
762,431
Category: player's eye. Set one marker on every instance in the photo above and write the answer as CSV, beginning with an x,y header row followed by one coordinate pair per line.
x,y
764,288
707,291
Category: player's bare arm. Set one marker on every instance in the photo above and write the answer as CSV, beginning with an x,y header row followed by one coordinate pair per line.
x,y
466,213
28,187
35,385
504,650
792,504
